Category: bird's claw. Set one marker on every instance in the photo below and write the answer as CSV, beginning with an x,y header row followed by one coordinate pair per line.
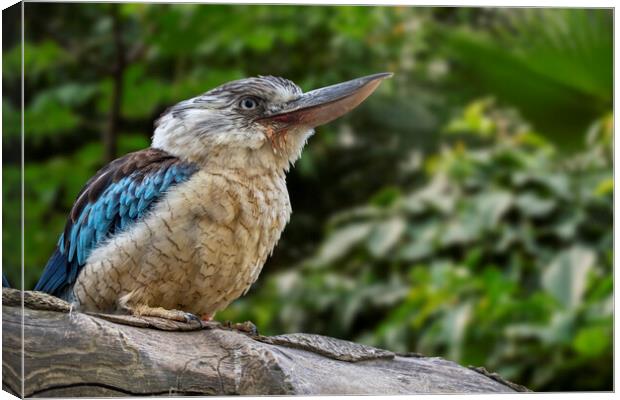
x,y
189,317
246,327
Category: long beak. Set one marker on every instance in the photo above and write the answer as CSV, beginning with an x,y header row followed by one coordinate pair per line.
x,y
323,105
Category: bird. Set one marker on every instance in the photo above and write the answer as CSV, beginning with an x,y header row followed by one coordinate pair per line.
x,y
181,229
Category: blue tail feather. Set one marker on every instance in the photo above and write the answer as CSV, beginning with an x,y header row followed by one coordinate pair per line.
x,y
55,276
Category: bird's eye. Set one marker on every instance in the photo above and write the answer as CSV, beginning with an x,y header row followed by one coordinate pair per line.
x,y
248,103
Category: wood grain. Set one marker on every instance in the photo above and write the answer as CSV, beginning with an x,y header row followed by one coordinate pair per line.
x,y
75,354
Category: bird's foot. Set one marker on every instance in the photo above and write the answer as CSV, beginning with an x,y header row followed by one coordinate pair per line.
x,y
189,317
246,327
160,312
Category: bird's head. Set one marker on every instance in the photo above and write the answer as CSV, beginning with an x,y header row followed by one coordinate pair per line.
x,y
259,122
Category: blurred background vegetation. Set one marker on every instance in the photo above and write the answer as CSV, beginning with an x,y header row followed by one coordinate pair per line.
x,y
463,211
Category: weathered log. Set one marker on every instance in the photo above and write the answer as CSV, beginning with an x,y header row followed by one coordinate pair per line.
x,y
67,353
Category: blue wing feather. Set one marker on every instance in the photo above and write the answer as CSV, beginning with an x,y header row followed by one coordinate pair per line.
x,y
117,196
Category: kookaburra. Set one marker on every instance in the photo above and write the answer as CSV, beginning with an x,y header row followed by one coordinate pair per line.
x,y
183,228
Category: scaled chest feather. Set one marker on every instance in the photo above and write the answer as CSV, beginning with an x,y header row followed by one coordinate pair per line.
x,y
201,247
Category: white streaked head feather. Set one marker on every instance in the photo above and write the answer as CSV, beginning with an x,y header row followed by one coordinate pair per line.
x,y
211,129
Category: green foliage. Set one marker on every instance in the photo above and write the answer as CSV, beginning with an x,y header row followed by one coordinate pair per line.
x,y
502,259
38,58
544,61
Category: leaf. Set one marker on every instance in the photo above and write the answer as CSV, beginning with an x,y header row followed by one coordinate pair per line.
x,y
557,184
141,93
11,120
48,117
473,120
561,327
568,227
534,206
468,225
492,206
385,236
38,58
422,241
565,276
341,241
606,186
386,197
592,341
438,194
507,236
454,326
524,331
72,94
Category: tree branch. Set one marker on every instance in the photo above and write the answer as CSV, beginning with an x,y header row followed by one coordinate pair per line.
x,y
68,353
